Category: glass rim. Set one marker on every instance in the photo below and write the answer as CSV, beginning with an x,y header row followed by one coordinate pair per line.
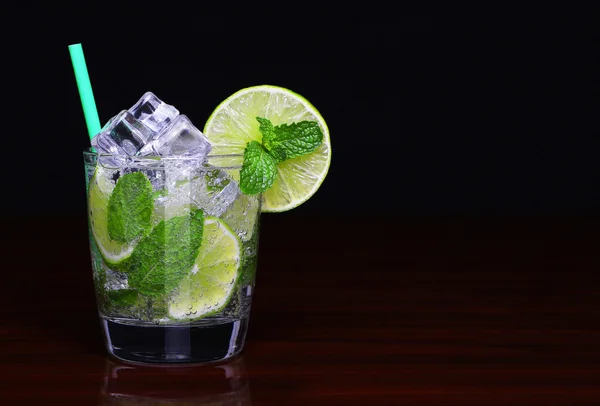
x,y
220,161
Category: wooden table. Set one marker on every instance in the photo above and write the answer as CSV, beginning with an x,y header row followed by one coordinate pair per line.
x,y
348,311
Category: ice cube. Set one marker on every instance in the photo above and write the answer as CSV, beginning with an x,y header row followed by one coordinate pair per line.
x,y
214,191
241,215
178,176
181,137
175,199
153,112
150,167
115,280
189,184
123,135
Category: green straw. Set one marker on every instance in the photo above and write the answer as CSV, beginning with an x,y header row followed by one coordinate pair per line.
x,y
85,90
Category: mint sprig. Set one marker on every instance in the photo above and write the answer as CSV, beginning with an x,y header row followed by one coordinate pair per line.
x,y
279,143
130,207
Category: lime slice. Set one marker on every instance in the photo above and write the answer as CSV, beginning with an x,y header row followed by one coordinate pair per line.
x,y
233,124
210,284
100,189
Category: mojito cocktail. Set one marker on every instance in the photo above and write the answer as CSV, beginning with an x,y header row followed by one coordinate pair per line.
x,y
174,217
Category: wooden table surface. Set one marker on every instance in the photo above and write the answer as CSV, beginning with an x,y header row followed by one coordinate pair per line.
x,y
348,311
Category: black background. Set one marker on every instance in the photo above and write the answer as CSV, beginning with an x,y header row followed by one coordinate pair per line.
x,y
429,114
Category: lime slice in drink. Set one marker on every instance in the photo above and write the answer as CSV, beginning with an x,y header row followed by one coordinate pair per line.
x,y
100,189
233,124
210,284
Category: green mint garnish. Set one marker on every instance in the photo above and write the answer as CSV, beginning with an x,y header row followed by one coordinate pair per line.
x,y
269,138
294,140
130,207
258,170
161,260
279,143
123,297
266,129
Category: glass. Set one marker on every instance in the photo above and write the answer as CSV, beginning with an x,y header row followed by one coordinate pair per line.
x,y
174,246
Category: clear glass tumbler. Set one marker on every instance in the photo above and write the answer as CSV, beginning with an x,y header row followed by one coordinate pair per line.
x,y
174,246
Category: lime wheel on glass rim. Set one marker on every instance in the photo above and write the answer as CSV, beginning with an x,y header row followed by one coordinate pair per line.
x,y
233,125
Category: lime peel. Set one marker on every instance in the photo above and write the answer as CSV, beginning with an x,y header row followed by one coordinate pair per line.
x,y
100,189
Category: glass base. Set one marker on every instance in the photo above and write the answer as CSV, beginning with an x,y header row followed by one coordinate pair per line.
x,y
183,344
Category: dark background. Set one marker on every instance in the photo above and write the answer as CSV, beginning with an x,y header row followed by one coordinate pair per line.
x,y
429,114
485,122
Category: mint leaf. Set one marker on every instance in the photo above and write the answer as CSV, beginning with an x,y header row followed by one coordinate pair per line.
x,y
296,139
268,138
266,129
161,260
259,169
130,207
123,297
290,141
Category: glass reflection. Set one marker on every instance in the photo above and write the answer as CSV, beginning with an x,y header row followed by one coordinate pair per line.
x,y
222,384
